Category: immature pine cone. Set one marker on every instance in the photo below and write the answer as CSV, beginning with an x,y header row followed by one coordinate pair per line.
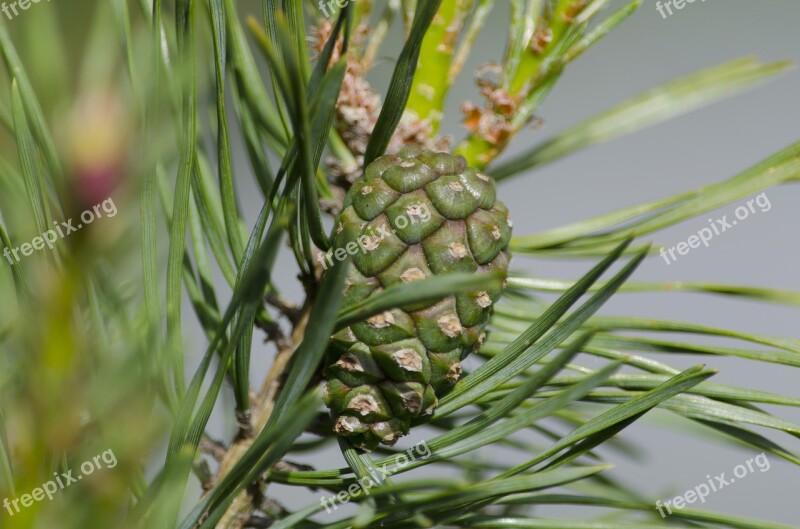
x,y
413,215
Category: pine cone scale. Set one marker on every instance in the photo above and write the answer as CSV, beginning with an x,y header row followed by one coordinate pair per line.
x,y
414,215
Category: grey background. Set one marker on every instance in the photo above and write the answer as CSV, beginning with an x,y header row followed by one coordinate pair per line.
x,y
704,147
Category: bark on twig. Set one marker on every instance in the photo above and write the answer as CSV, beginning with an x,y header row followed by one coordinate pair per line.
x,y
239,512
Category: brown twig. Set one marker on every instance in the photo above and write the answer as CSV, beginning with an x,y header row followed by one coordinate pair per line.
x,y
288,308
242,507
212,447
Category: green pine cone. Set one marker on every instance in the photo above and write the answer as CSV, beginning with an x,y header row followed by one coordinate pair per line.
x,y
413,215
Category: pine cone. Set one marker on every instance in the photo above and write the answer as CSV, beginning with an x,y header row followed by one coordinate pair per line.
x,y
413,215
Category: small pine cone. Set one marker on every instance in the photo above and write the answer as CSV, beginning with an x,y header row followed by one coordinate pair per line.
x,y
413,215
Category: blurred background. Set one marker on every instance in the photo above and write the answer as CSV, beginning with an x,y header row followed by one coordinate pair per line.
x,y
700,148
